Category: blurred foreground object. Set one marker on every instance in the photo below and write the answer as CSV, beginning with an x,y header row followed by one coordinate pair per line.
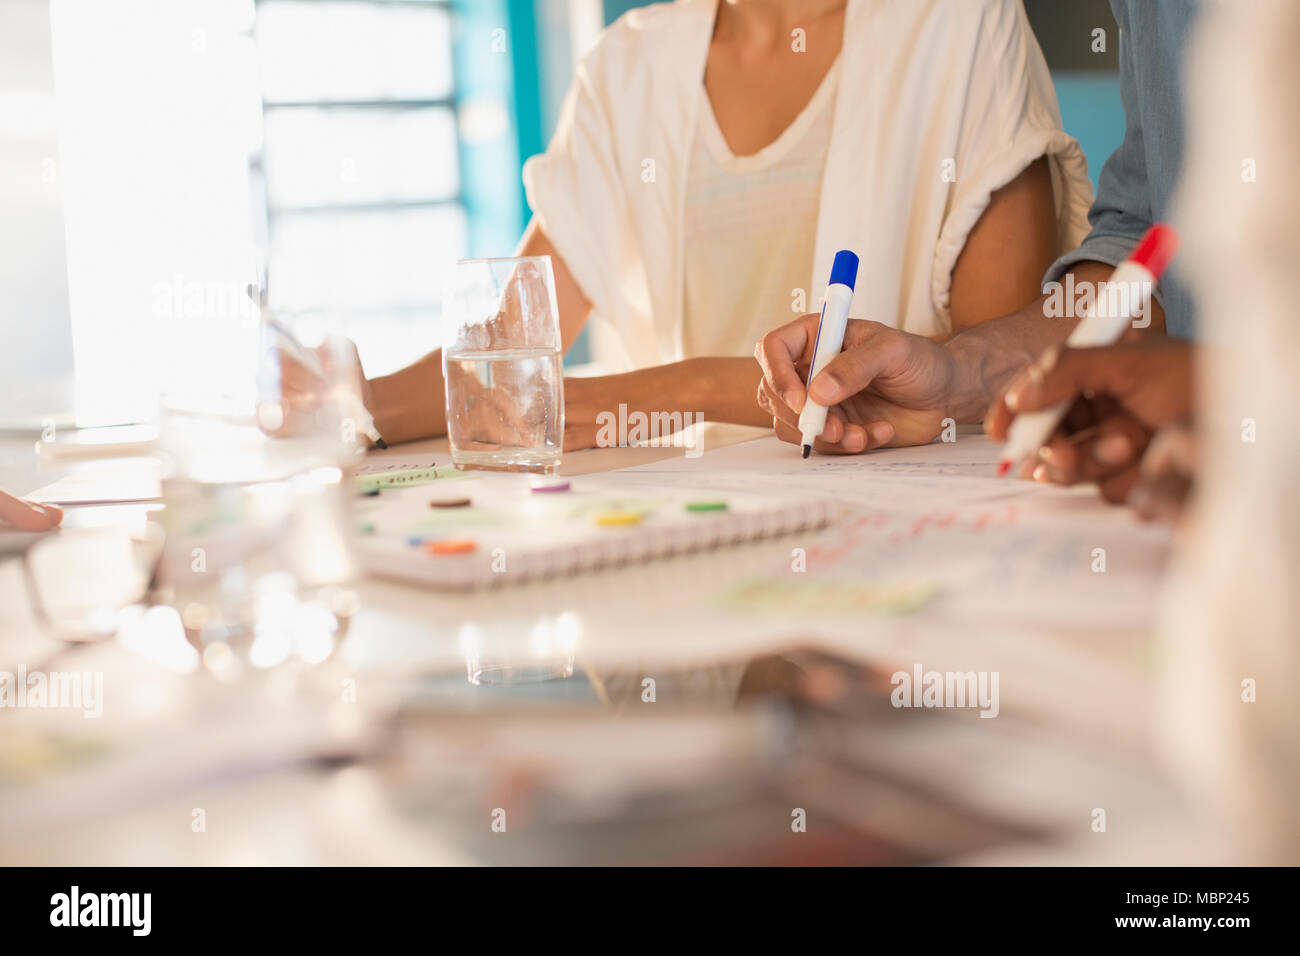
x,y
1231,647
256,526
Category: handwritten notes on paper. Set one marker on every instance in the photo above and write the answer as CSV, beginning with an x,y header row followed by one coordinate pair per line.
x,y
937,519
915,477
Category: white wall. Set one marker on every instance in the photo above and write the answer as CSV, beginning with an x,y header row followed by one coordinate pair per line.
x,y
35,336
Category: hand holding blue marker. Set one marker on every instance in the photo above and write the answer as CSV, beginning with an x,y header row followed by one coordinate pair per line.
x,y
830,340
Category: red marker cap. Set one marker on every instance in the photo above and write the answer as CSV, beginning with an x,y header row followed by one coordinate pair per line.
x,y
1156,249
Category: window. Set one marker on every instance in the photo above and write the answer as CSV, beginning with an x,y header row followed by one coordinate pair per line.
x,y
157,119
341,141
360,168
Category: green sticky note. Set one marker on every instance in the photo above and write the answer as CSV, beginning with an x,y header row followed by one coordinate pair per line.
x,y
817,595
706,506
404,477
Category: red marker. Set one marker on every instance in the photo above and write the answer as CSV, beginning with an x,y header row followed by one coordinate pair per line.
x,y
1127,295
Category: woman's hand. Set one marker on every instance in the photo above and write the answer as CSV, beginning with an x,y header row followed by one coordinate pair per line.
x,y
296,387
19,515
488,417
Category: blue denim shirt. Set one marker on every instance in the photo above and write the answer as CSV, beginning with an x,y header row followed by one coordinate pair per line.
x,y
1138,179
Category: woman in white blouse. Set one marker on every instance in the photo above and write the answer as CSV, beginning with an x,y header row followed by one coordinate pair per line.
x,y
712,157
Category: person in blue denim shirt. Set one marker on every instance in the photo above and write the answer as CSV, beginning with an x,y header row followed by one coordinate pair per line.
x,y
890,387
1137,181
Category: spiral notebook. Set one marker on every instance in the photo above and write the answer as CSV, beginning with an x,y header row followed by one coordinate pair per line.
x,y
499,530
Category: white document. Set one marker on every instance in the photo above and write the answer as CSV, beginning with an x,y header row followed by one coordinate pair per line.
x,y
936,520
107,481
914,477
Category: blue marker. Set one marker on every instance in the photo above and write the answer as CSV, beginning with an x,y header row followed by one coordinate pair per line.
x,y
830,339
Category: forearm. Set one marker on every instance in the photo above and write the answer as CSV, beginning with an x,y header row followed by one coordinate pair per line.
x,y
988,356
726,389
411,402
711,389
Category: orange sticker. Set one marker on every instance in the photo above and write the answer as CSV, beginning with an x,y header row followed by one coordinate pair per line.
x,y
452,546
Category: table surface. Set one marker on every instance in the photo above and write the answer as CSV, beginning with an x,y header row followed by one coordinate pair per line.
x,y
141,799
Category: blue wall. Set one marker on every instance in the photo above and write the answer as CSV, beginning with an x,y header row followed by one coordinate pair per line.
x,y
1092,113
489,170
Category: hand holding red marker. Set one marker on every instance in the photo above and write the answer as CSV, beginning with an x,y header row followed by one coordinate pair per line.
x,y
1103,325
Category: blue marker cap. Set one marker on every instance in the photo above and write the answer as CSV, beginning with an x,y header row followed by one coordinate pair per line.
x,y
845,268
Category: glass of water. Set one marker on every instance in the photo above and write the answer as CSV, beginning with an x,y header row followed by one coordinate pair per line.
x,y
501,359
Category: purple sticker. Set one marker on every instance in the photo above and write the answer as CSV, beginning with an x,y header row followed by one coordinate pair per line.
x,y
553,486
